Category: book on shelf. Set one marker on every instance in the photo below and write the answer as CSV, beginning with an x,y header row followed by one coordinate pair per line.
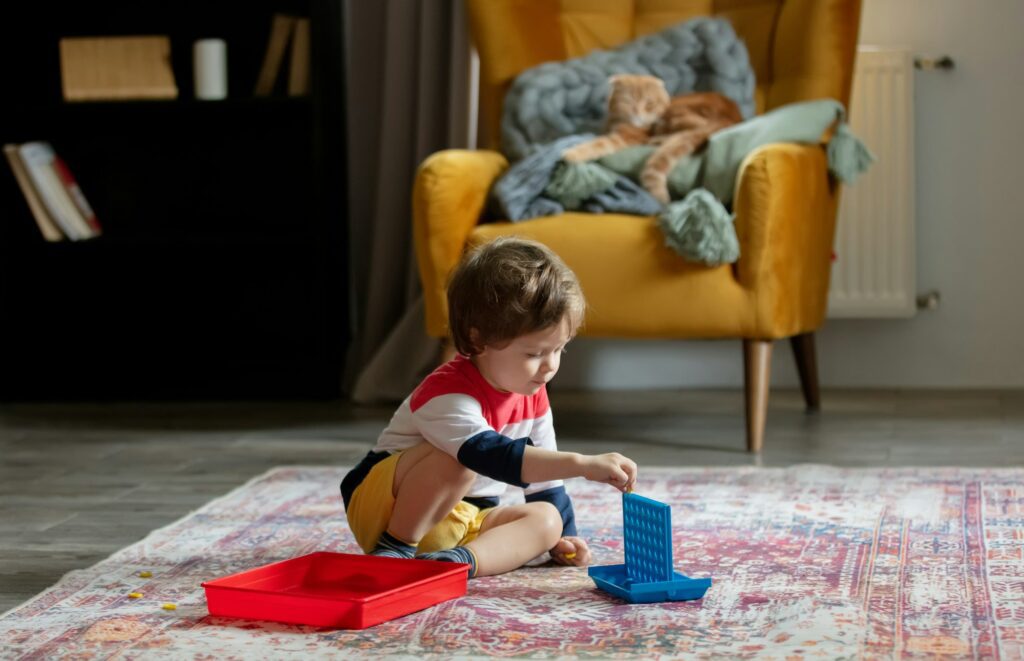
x,y
298,72
281,27
117,68
52,193
46,224
289,37
74,191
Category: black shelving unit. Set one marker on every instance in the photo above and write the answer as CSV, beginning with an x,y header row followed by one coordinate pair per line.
x,y
220,272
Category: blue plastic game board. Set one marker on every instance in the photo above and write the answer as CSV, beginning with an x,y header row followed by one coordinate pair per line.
x,y
648,575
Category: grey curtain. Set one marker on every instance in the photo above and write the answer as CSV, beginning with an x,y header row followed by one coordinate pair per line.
x,y
408,69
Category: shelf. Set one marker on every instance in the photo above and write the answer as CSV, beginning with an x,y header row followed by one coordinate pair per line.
x,y
107,243
33,31
250,104
158,121
221,268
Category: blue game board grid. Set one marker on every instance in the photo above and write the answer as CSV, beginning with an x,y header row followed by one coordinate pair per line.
x,y
647,575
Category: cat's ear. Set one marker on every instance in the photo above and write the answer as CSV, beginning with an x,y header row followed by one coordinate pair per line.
x,y
617,78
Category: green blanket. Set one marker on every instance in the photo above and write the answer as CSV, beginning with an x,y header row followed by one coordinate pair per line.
x,y
699,227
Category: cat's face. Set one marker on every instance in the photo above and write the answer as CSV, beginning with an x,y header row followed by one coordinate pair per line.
x,y
636,100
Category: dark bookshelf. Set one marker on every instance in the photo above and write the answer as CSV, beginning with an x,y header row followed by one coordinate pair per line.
x,y
221,269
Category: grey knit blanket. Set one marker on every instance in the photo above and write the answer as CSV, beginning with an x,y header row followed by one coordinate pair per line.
x,y
557,99
519,193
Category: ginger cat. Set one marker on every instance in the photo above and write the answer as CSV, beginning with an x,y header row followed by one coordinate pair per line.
x,y
640,111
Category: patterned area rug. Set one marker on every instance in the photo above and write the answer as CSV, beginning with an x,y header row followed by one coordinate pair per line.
x,y
808,562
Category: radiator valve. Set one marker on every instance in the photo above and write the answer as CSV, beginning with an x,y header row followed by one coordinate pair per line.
x,y
944,63
928,301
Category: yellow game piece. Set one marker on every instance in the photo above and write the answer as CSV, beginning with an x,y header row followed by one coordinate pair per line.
x,y
169,607
145,574
570,556
134,595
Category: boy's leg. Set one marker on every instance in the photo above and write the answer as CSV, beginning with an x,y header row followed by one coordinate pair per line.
x,y
512,536
428,483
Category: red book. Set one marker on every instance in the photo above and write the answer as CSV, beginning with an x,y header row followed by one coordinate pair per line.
x,y
76,195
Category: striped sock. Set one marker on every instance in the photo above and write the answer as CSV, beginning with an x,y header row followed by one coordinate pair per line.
x,y
457,554
390,546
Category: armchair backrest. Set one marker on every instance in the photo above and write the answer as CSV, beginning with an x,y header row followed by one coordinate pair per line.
x,y
800,49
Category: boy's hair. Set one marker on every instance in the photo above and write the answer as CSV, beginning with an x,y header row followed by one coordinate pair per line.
x,y
507,288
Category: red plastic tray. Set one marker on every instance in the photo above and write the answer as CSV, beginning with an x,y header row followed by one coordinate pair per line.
x,y
336,590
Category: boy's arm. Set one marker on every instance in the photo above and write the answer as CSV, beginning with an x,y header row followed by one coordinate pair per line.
x,y
544,465
455,424
549,467
551,491
540,465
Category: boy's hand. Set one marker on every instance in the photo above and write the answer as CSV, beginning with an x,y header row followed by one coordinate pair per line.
x,y
611,468
572,551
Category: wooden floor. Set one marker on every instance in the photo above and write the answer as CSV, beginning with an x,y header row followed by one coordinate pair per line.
x,y
78,482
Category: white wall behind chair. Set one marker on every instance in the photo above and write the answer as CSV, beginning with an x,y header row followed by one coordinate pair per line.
x,y
970,231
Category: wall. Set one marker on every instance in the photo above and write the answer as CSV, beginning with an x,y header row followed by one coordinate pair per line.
x,y
970,226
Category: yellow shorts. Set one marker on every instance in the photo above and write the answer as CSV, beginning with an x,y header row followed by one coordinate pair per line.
x,y
369,511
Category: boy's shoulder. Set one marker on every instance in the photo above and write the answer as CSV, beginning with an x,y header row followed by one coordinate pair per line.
x,y
460,376
456,377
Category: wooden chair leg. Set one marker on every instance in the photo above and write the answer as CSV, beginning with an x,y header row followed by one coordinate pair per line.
x,y
757,366
807,366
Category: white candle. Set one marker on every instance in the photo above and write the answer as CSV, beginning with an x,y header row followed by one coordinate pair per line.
x,y
210,68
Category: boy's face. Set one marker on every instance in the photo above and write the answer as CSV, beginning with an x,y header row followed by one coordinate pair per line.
x,y
526,363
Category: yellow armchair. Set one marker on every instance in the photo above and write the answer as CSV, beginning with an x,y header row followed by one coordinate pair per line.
x,y
785,202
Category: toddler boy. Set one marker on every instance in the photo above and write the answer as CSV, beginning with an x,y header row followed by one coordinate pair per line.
x,y
481,422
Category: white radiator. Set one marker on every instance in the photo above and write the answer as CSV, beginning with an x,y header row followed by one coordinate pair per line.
x,y
873,273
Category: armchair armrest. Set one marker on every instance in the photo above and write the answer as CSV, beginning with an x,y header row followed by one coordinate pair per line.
x,y
785,219
448,197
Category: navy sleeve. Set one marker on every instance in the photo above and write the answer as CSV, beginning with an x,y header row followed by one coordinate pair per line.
x,y
496,456
560,499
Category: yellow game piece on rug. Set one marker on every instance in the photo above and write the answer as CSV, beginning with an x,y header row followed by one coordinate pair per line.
x,y
145,574
134,595
169,607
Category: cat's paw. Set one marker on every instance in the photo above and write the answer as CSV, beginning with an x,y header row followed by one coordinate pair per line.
x,y
661,195
577,154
